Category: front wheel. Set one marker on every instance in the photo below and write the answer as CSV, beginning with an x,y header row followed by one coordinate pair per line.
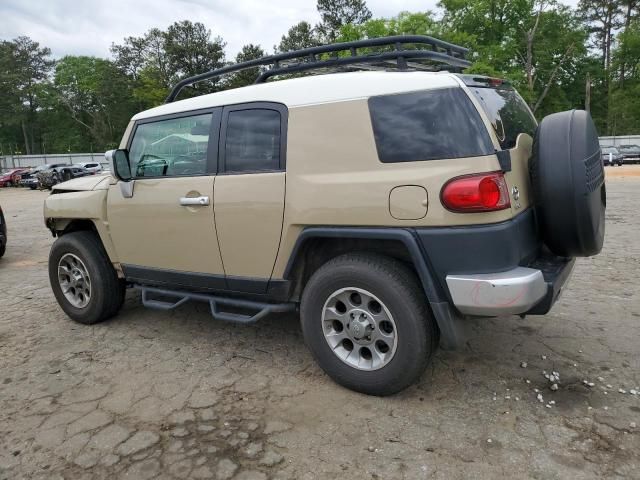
x,y
83,280
367,323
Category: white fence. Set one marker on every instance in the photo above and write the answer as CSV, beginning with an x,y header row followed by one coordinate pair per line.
x,y
622,140
20,161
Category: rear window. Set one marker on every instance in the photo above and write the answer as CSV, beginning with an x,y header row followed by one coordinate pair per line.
x,y
508,113
427,125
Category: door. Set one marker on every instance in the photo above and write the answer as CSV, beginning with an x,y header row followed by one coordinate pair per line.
x,y
166,229
250,191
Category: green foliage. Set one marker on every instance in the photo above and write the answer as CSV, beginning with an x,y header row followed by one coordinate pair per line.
x,y
96,95
334,14
245,77
546,49
300,36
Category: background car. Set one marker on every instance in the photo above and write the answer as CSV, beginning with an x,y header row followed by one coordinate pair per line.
x,y
630,153
92,167
611,156
7,179
3,234
30,178
68,172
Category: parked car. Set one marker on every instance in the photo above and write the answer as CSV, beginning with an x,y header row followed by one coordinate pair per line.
x,y
49,178
7,179
30,178
630,153
3,233
611,156
69,172
92,167
387,206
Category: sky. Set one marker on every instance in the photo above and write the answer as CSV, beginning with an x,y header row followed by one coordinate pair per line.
x,y
88,27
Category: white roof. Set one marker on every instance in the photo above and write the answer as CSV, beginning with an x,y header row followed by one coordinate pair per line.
x,y
296,92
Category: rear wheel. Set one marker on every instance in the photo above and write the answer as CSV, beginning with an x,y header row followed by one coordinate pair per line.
x,y
366,321
83,280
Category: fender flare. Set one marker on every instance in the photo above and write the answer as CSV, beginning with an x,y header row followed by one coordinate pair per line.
x,y
446,317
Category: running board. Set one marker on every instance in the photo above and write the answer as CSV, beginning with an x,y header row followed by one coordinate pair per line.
x,y
216,304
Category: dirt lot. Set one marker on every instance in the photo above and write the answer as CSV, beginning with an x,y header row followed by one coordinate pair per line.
x,y
176,395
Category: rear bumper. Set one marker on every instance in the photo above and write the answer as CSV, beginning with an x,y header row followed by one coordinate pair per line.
x,y
495,269
520,290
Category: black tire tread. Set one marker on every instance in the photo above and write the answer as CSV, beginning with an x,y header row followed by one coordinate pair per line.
x,y
112,289
403,281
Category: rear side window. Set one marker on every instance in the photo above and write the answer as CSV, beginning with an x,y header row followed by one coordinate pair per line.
x,y
428,125
508,113
252,142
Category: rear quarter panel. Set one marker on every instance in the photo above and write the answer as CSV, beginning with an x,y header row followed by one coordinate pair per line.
x,y
334,176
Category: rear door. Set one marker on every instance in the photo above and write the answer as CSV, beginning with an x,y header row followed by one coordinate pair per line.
x,y
249,192
165,231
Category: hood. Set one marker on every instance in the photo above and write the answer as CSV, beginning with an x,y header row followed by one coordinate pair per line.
x,y
83,184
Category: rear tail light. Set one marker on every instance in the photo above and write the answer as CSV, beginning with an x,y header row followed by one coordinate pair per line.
x,y
486,192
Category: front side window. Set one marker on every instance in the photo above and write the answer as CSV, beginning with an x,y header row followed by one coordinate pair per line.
x,y
427,125
252,142
171,147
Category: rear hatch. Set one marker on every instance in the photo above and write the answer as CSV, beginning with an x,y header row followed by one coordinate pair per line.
x,y
514,126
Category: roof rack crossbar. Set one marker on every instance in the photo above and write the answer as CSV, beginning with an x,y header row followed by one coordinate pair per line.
x,y
343,61
311,58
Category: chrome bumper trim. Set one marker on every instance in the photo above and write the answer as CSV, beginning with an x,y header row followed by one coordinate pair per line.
x,y
494,294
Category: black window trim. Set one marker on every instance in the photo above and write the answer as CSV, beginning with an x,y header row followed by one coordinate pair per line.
x,y
212,145
284,120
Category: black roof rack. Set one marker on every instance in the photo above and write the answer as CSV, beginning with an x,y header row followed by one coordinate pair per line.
x,y
315,58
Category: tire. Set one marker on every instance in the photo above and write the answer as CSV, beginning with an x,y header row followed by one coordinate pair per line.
x,y
3,249
399,292
568,183
33,187
106,289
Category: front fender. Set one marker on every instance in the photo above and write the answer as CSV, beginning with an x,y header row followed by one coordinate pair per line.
x,y
62,209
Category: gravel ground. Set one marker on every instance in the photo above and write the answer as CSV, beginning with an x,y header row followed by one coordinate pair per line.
x,y
175,395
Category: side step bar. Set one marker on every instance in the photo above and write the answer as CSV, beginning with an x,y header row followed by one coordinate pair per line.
x,y
216,304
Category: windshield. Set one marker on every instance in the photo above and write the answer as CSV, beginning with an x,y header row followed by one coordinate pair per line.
x,y
609,150
508,113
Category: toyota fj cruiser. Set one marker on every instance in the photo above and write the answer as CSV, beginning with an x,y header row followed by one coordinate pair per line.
x,y
388,206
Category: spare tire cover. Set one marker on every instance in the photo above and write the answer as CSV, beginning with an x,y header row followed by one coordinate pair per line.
x,y
567,177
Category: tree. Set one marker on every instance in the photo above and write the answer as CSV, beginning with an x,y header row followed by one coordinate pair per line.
x,y
300,36
137,54
25,67
603,17
191,51
245,77
334,14
95,94
160,59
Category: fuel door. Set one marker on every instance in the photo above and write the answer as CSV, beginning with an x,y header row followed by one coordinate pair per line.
x,y
408,202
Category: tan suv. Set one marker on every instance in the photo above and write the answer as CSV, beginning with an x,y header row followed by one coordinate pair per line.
x,y
388,206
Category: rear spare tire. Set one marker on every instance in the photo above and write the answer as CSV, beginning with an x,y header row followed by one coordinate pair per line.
x,y
567,177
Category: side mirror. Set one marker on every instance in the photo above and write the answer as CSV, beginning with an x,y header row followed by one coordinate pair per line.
x,y
119,164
